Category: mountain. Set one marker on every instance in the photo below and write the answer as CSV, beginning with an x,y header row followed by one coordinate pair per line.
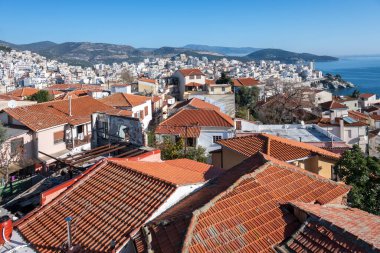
x,y
228,51
87,53
287,56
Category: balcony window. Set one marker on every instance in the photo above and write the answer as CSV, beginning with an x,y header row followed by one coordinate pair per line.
x,y
59,137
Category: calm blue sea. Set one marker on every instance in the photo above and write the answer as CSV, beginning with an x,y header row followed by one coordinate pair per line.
x,y
364,72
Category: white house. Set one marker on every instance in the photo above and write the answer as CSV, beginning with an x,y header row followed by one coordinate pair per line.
x,y
121,88
367,99
138,106
198,127
189,79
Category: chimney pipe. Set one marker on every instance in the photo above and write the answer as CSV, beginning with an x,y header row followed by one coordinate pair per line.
x,y
69,242
70,106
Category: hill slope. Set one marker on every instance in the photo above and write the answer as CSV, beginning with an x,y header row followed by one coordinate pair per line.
x,y
287,56
229,51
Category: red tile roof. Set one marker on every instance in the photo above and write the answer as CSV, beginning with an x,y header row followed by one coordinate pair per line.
x,y
193,84
87,87
245,82
275,146
190,72
366,95
332,105
358,116
238,211
23,92
177,172
197,103
107,204
325,122
147,80
193,119
124,100
54,113
6,97
335,228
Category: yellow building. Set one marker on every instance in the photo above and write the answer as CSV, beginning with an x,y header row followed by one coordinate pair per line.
x,y
235,150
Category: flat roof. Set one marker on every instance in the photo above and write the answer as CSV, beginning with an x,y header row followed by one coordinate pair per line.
x,y
307,133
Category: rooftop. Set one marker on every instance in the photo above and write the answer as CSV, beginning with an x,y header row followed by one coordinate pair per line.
x,y
337,228
196,103
190,72
275,146
54,113
366,95
238,211
124,100
23,92
297,132
113,198
245,82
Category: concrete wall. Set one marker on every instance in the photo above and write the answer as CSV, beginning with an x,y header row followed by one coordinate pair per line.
x,y
322,97
146,87
226,102
230,158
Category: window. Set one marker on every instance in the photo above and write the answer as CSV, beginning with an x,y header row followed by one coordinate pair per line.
x,y
59,137
190,142
223,89
146,110
192,77
212,89
349,134
216,138
334,176
199,77
141,114
16,146
238,125
104,130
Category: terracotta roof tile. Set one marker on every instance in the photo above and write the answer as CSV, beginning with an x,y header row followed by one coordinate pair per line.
x,y
23,92
197,103
335,228
333,105
124,100
366,95
178,172
238,211
275,146
190,72
49,114
107,204
147,80
193,84
193,119
245,82
65,87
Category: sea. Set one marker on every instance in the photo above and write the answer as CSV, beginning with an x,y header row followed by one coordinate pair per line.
x,y
363,72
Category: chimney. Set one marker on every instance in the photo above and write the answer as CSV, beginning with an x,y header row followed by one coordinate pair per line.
x,y
70,106
300,139
341,129
69,242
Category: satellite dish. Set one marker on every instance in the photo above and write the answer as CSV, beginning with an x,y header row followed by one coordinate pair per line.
x,y
12,104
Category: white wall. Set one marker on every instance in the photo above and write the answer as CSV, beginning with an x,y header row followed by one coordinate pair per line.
x,y
205,138
141,107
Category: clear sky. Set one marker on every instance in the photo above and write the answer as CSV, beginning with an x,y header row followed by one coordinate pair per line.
x,y
335,27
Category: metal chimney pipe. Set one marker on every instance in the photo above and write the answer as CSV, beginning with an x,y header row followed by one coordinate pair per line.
x,y
70,106
69,242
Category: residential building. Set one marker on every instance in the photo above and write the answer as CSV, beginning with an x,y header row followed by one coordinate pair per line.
x,y
193,103
139,106
321,96
188,80
109,201
244,210
308,133
367,99
248,82
7,101
56,126
351,103
308,157
23,93
348,129
147,86
198,127
333,109
121,88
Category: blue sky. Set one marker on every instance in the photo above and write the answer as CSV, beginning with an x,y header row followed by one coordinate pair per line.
x,y
335,27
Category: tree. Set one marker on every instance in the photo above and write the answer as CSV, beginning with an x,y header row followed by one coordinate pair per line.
x,y
126,76
355,93
363,174
247,97
224,79
175,150
41,96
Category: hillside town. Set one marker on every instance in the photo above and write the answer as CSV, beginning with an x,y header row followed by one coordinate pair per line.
x,y
183,154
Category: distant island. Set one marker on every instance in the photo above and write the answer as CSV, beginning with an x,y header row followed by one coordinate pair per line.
x,y
87,53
